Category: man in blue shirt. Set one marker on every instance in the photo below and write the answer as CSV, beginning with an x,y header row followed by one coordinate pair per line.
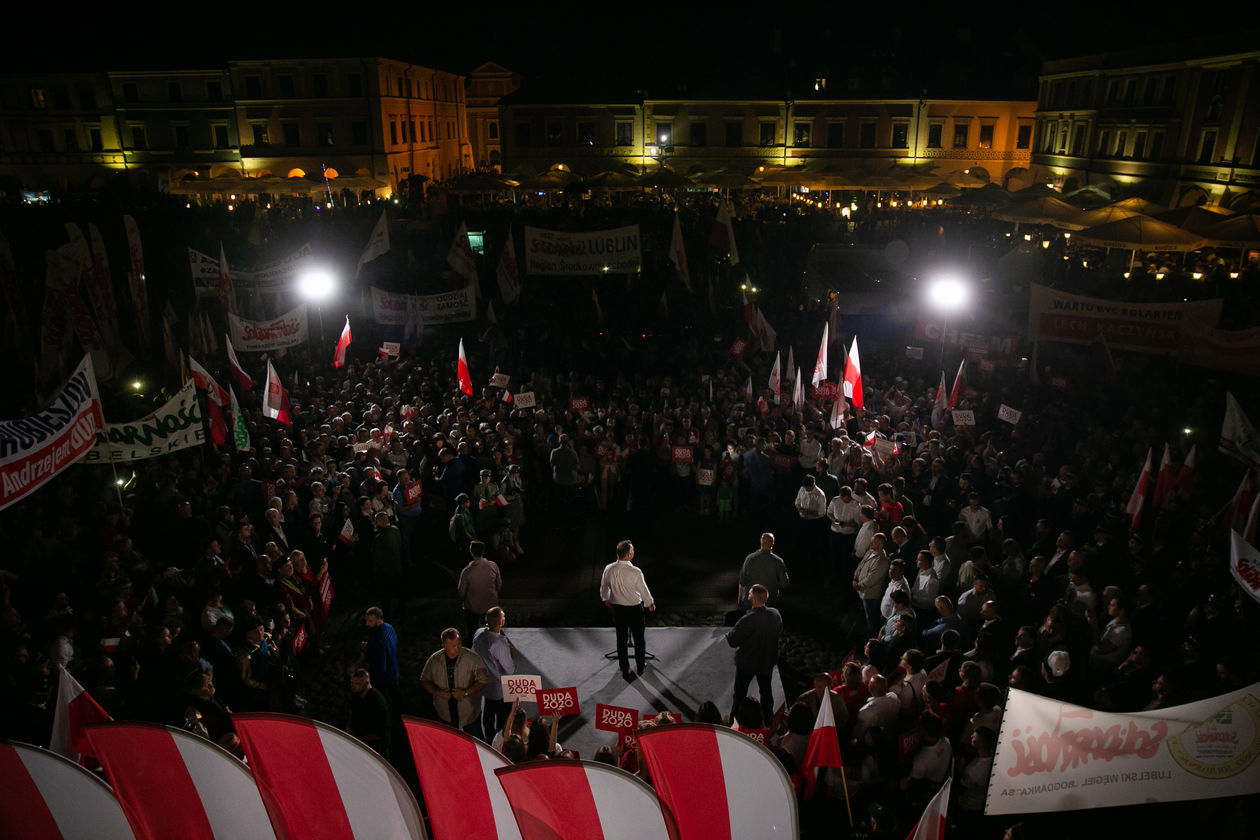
x,y
380,655
492,645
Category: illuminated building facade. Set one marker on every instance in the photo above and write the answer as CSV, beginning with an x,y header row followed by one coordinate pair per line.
x,y
1173,128
488,84
370,125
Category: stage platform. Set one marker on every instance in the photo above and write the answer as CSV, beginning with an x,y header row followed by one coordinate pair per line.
x,y
692,664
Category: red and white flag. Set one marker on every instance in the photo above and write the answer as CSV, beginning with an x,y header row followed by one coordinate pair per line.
x,y
1138,499
798,393
1185,477
1163,479
837,413
339,357
203,380
820,366
678,254
462,259
318,782
853,376
461,370
75,709
960,385
275,402
765,333
941,404
775,380
347,532
238,373
457,779
45,795
225,282
722,237
173,783
931,826
1238,436
378,243
508,272
1234,517
583,800
718,783
823,749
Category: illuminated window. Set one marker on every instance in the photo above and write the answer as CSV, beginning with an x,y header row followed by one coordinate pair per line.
x,y
37,98
936,132
986,137
665,132
1023,137
261,136
1063,138
1051,131
961,132
624,130
901,135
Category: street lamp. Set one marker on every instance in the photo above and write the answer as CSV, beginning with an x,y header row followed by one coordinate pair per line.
x,y
317,284
947,294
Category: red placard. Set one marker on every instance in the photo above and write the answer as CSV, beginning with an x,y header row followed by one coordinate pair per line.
x,y
682,454
761,736
738,346
615,718
326,591
826,391
1059,383
579,404
299,639
413,492
557,701
781,462
908,743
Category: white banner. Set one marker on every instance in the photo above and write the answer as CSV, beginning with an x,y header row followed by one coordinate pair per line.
x,y
1054,756
268,277
393,309
176,425
1127,325
34,449
561,252
964,418
1008,414
289,330
1244,564
521,687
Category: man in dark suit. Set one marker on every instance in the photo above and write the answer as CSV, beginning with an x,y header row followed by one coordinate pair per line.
x,y
755,638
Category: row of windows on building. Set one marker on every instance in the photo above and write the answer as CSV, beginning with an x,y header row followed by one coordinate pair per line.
x,y
1151,89
803,135
1127,143
400,130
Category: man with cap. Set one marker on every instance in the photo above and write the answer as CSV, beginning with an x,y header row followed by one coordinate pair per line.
x,y
485,505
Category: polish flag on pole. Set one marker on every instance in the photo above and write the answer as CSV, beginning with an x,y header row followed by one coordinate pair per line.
x,y
931,826
465,378
75,709
798,393
960,384
275,398
45,795
775,380
1138,499
941,404
576,800
853,376
238,373
339,358
1185,478
457,780
820,366
823,749
173,783
1163,479
719,783
678,254
203,380
318,782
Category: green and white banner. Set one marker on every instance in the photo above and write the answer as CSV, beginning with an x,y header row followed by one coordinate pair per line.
x,y
175,426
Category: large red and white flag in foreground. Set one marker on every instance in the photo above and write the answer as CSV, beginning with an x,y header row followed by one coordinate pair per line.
x,y
318,783
931,826
1138,499
204,381
45,795
823,749
461,370
172,783
853,376
583,800
275,402
457,780
339,357
718,783
1053,756
75,709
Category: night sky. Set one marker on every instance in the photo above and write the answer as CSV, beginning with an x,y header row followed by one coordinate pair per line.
x,y
669,49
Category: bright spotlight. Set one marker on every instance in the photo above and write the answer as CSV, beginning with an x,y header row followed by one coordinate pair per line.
x,y
316,284
948,294
136,386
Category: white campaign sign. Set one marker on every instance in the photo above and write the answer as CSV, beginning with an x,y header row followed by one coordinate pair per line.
x,y
1054,756
964,418
1010,415
521,687
525,399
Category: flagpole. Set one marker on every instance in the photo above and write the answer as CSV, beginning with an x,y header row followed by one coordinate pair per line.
x,y
844,783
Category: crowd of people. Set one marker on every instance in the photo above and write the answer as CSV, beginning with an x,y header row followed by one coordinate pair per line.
x,y
955,563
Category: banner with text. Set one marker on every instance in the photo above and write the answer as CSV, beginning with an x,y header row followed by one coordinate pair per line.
x,y
1207,346
1054,756
289,330
392,309
1127,325
176,425
565,252
36,448
268,277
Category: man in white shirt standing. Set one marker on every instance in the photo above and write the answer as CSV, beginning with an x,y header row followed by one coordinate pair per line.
x,y
811,505
844,513
623,589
